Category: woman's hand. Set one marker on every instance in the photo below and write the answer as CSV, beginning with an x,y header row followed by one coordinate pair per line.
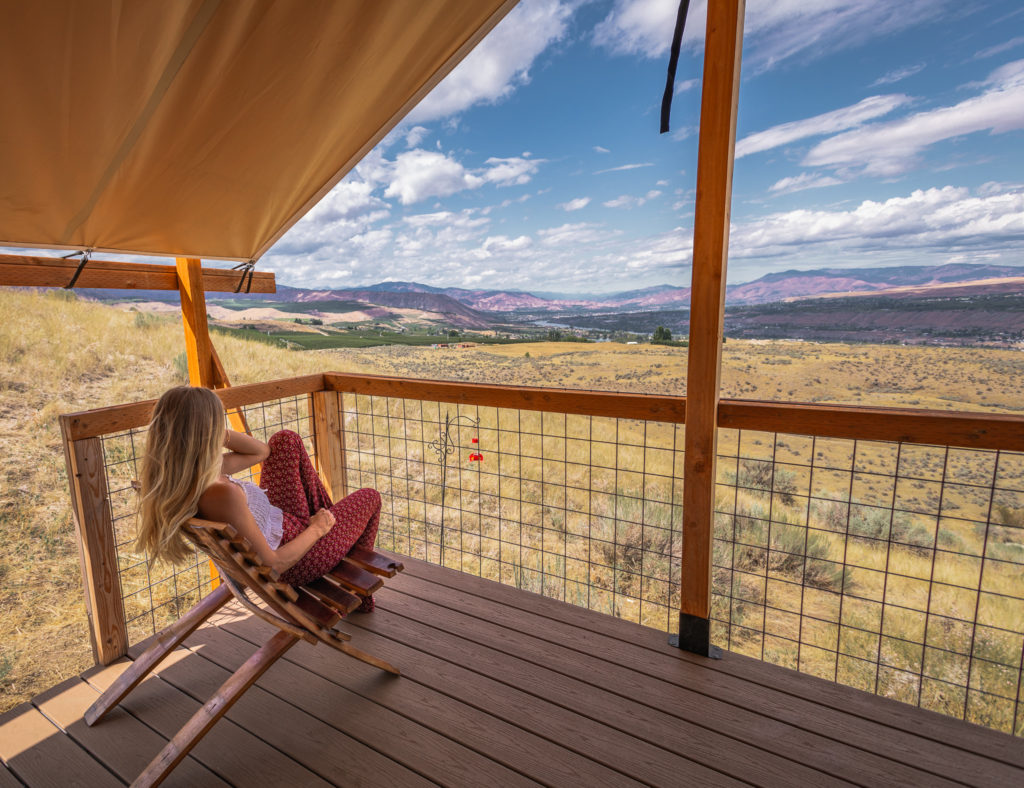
x,y
321,522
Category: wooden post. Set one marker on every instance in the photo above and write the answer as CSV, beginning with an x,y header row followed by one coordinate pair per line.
x,y
204,367
96,548
329,436
723,45
198,346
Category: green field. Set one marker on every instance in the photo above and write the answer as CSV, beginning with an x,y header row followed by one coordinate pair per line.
x,y
359,339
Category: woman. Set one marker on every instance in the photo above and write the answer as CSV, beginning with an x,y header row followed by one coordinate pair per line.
x,y
290,522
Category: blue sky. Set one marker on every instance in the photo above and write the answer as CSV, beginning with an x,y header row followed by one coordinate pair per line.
x,y
870,133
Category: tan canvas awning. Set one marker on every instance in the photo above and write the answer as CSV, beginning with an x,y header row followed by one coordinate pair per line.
x,y
204,127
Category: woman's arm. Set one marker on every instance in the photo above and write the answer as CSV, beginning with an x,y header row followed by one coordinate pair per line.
x,y
225,502
243,451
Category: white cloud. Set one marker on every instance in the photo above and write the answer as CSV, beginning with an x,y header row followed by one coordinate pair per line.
x,y
891,148
667,250
683,133
510,172
373,240
500,63
445,219
624,167
803,181
826,123
502,244
628,201
346,201
415,136
575,205
995,50
897,75
685,85
933,219
420,174
599,149
580,233
775,30
520,199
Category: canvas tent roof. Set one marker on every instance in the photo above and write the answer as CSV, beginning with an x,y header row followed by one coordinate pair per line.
x,y
204,128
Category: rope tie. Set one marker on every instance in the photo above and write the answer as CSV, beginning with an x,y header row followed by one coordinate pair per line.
x,y
246,269
81,266
673,61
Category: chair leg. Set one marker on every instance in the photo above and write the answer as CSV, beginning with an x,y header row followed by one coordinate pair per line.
x,y
215,708
369,659
166,641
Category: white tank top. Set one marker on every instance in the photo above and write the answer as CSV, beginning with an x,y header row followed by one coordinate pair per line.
x,y
268,517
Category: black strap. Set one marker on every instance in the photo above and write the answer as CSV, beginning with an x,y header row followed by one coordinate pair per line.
x,y
673,61
246,268
81,266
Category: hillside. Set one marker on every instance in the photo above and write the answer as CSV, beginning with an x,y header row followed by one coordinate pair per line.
x,y
986,313
477,308
801,284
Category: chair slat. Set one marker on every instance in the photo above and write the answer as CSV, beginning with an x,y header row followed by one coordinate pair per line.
x,y
372,561
333,595
353,578
325,616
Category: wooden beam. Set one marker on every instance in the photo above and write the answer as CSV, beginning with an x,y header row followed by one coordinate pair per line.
x,y
723,46
587,403
905,425
31,271
329,436
910,425
198,346
118,418
204,367
91,510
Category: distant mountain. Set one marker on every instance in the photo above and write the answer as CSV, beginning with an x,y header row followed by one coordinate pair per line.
x,y
478,307
823,281
435,302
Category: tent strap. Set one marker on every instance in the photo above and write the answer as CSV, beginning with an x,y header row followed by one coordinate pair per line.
x,y
673,61
81,266
247,269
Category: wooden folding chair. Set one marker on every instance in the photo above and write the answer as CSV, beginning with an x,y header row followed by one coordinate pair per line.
x,y
307,613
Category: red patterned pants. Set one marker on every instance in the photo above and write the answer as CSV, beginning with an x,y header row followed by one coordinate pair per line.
x,y
293,486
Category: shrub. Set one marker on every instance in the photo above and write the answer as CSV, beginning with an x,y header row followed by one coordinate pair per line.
x,y
181,366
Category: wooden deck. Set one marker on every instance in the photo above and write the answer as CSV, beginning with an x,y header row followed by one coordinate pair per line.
x,y
500,688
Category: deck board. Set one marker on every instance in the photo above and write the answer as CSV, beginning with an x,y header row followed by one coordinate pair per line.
x,y
902,716
730,707
499,687
40,754
122,744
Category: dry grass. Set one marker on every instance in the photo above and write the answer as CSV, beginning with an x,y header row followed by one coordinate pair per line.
x,y
57,356
64,355
976,379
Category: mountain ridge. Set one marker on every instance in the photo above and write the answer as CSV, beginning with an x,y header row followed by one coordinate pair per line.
x,y
480,305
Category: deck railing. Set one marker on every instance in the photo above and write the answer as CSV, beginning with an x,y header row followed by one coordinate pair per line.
x,y
879,548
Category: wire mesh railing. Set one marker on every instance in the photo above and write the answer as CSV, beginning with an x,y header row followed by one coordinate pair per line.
x,y
894,568
580,508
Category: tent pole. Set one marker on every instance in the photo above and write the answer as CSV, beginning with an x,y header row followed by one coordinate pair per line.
x,y
204,367
723,45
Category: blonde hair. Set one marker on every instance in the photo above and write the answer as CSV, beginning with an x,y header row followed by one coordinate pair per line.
x,y
184,449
